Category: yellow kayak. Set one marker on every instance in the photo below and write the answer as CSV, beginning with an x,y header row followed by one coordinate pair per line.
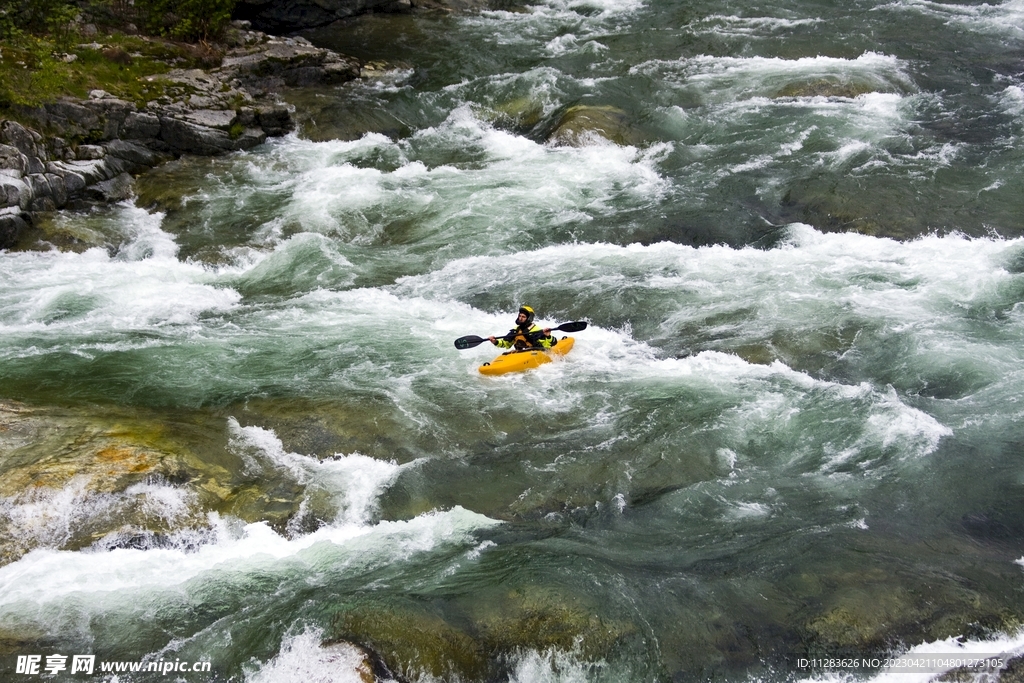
x,y
518,361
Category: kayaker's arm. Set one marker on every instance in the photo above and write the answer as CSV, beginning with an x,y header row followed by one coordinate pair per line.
x,y
504,342
469,341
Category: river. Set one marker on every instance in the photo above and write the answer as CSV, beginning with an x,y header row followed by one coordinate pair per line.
x,y
236,430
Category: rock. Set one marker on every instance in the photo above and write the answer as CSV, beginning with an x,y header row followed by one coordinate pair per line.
x,y
275,119
826,87
413,641
19,137
38,185
12,159
134,153
140,126
182,137
116,189
112,113
92,171
212,112
75,183
293,62
580,124
15,192
529,618
213,118
250,137
75,120
42,204
35,164
58,190
11,227
90,152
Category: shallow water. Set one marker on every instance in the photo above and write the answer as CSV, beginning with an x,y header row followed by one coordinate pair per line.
x,y
236,429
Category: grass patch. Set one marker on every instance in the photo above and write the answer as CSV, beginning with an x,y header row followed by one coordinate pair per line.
x,y
34,71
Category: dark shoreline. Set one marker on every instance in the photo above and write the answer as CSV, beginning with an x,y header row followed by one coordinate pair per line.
x,y
76,153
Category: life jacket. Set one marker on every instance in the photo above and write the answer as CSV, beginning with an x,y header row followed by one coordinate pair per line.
x,y
518,339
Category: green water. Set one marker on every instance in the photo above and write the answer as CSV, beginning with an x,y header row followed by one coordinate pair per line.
x,y
236,429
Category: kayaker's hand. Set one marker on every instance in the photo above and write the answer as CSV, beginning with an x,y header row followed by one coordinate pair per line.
x,y
547,331
493,340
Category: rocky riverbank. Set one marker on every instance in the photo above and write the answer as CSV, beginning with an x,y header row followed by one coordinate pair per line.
x,y
74,152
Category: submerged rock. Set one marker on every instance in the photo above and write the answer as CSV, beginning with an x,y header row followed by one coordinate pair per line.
x,y
582,123
73,479
413,642
520,114
826,87
415,639
822,203
862,612
529,618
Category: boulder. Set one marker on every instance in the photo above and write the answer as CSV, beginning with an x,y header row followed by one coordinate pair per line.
x,y
582,123
12,224
133,153
93,171
112,113
15,192
58,190
140,126
21,138
90,152
11,159
69,117
116,189
183,137
221,119
275,119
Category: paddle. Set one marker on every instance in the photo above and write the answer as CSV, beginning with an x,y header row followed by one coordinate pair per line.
x,y
472,340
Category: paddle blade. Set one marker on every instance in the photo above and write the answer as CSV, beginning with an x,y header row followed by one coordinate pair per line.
x,y
572,327
468,342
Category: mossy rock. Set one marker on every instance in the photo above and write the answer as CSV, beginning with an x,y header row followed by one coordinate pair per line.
x,y
581,123
413,642
825,87
541,619
829,208
757,354
519,114
68,484
256,503
867,620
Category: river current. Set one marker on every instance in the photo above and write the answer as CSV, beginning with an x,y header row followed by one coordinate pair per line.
x,y
236,429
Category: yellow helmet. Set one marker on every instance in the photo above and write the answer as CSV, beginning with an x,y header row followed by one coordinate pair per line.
x,y
529,313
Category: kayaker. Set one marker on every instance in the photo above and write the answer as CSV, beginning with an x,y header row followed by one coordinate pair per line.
x,y
525,335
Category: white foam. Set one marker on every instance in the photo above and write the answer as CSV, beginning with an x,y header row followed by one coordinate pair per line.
x,y
506,183
143,286
999,19
45,576
727,79
732,25
555,666
49,518
905,670
303,658
1012,100
355,481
